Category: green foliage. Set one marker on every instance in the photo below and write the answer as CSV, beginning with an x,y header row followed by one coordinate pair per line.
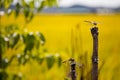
x,y
28,44
2,44
3,75
24,46
17,11
16,77
42,5
59,60
29,41
13,39
9,29
50,61
40,60
27,7
51,2
40,35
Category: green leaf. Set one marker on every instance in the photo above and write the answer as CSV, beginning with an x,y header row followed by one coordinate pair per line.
x,y
31,4
42,38
10,29
14,39
26,11
30,17
17,77
23,2
41,6
50,61
5,62
1,3
59,60
22,59
40,60
3,75
19,57
23,38
25,61
17,10
37,44
2,44
7,3
8,10
51,3
29,41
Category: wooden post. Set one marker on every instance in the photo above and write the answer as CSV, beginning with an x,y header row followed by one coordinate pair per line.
x,y
73,70
94,32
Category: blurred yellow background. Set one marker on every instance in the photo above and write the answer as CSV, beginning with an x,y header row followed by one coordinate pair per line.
x,y
62,31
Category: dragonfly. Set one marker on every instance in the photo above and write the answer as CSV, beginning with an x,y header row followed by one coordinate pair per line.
x,y
91,22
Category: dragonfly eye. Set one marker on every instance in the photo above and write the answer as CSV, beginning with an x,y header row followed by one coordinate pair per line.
x,y
94,23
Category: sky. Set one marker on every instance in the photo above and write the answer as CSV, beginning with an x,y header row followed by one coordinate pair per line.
x,y
92,3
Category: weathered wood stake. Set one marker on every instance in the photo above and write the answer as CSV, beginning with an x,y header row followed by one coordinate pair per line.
x,y
94,32
73,70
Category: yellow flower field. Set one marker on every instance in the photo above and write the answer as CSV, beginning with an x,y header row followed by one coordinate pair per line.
x,y
68,35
